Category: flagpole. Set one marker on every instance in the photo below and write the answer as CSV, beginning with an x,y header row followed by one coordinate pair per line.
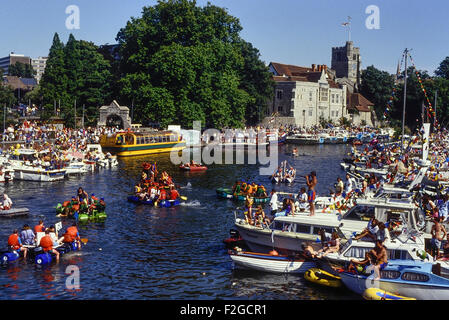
x,y
405,100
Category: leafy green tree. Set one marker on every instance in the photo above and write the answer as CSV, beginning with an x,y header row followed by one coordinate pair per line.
x,y
181,63
54,81
443,69
22,70
377,87
78,74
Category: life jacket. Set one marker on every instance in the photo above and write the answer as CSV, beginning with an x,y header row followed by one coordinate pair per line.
x,y
163,194
39,228
13,241
46,243
71,234
174,194
65,203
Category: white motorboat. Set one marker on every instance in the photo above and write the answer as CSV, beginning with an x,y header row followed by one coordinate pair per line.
x,y
287,233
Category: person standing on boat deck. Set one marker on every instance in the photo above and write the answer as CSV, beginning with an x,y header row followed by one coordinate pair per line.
x,y
274,202
311,182
443,210
349,186
82,195
437,230
27,235
340,184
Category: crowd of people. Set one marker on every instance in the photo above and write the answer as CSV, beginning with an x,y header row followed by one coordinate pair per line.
x,y
28,238
153,188
81,203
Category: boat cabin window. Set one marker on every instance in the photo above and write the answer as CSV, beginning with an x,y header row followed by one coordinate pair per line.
x,y
360,213
300,228
412,276
357,252
399,255
389,274
316,229
120,139
283,226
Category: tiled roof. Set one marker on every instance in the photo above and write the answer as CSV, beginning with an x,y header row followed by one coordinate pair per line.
x,y
287,72
359,102
22,83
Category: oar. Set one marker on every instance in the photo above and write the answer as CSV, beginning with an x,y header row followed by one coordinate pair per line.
x,y
183,198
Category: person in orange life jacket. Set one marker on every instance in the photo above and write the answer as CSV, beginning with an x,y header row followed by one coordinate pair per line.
x,y
71,235
174,194
15,244
47,244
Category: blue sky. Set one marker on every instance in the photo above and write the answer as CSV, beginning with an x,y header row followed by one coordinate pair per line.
x,y
299,32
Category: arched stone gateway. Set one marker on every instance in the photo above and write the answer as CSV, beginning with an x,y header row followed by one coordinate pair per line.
x,y
112,114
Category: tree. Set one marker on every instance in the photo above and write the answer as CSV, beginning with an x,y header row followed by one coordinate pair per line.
x,y
377,87
181,63
78,73
443,69
22,70
54,80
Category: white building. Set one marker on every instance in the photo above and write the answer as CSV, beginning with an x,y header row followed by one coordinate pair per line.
x,y
304,96
39,66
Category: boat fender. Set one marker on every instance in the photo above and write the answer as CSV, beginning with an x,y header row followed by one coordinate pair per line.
x,y
422,254
43,258
273,253
10,256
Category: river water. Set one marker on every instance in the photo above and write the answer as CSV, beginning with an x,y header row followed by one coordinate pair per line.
x,y
141,252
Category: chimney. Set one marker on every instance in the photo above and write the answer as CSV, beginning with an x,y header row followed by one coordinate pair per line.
x,y
313,67
320,67
325,68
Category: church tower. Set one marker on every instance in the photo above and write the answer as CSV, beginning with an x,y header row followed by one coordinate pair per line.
x,y
347,63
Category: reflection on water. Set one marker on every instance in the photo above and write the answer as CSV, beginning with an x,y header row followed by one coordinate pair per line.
x,y
142,252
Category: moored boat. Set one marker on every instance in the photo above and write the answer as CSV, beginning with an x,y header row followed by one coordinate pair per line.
x,y
270,263
193,168
323,278
420,280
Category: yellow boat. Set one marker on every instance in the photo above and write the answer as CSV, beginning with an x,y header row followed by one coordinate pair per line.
x,y
128,143
379,294
322,277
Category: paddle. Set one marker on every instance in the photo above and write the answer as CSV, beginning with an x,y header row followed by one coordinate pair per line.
x,y
84,240
183,198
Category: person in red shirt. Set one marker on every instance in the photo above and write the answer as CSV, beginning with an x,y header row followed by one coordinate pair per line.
x,y
15,244
174,194
47,244
39,227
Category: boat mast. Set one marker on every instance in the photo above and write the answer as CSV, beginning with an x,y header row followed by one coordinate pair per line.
x,y
405,99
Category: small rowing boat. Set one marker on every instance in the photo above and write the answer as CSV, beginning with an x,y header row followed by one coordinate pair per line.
x,y
379,294
270,263
192,168
14,212
226,193
323,278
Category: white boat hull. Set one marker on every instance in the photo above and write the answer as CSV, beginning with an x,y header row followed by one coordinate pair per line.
x,y
39,175
270,264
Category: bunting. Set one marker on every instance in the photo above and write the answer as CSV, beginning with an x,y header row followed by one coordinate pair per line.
x,y
429,109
